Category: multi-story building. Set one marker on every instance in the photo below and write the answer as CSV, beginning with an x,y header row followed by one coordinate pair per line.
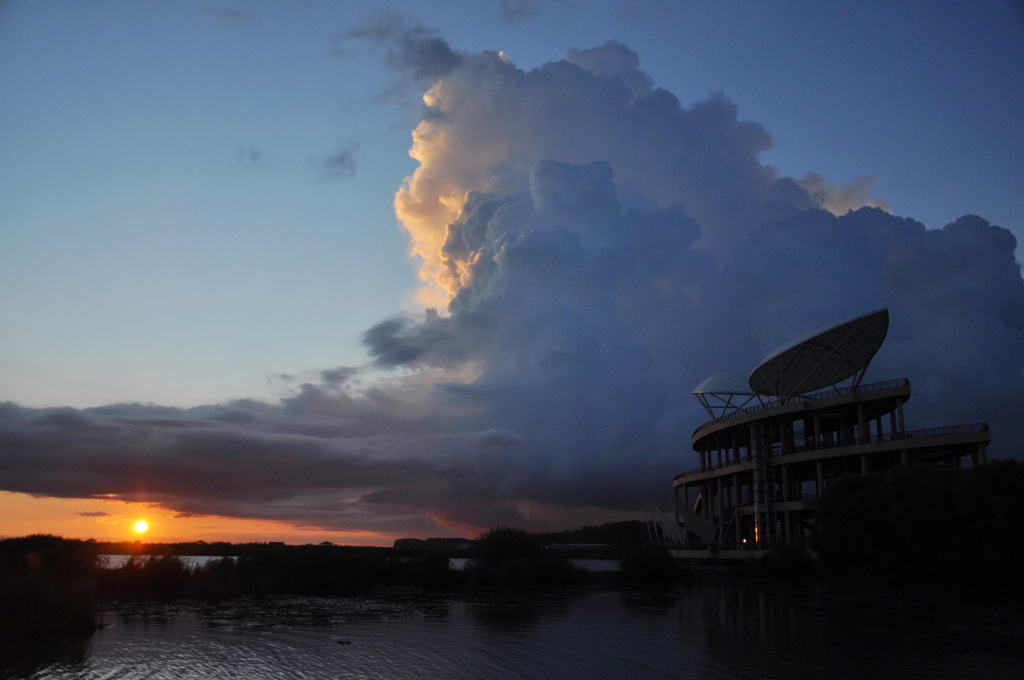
x,y
779,439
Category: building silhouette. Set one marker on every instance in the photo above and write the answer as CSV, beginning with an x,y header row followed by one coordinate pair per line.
x,y
778,440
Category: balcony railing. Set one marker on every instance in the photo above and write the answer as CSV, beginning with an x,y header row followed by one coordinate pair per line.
x,y
852,441
827,394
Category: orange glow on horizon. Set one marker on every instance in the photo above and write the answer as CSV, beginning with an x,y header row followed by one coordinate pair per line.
x,y
105,519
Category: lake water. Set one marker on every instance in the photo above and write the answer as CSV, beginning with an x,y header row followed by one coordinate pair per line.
x,y
719,630
118,561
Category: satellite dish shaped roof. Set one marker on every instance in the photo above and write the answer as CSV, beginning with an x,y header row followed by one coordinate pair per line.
x,y
822,358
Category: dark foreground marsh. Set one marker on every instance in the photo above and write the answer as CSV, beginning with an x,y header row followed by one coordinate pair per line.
x,y
727,629
50,585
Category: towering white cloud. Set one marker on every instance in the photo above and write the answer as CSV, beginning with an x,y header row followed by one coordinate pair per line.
x,y
590,250
487,123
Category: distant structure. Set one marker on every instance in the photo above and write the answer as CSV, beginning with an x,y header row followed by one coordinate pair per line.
x,y
778,440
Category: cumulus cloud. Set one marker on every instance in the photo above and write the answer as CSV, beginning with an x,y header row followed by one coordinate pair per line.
x,y
590,250
488,123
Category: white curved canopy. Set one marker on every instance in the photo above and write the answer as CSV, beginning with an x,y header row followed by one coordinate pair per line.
x,y
822,358
723,383
723,393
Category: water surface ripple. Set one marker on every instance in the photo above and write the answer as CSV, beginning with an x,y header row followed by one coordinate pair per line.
x,y
707,631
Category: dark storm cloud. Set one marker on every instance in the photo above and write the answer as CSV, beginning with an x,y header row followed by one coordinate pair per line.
x,y
591,250
390,344
204,461
400,341
338,164
599,249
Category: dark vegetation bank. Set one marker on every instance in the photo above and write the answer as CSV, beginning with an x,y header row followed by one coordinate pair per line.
x,y
50,584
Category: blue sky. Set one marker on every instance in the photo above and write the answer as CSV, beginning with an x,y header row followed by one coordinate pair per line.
x,y
201,251
146,259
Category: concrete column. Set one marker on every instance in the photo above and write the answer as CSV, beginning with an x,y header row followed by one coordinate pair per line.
x,y
736,504
862,425
785,483
899,417
864,467
718,506
845,430
981,457
817,431
904,457
820,487
787,526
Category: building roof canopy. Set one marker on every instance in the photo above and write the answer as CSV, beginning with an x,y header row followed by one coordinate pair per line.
x,y
822,358
723,383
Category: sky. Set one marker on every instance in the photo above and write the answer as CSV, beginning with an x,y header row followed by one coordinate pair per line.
x,y
359,271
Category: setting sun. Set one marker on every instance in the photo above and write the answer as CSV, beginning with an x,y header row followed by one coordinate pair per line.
x,y
141,526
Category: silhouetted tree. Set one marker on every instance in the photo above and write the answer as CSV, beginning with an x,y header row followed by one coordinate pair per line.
x,y
510,557
47,585
506,543
926,524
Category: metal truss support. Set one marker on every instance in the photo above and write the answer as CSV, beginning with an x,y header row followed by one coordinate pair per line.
x,y
659,529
